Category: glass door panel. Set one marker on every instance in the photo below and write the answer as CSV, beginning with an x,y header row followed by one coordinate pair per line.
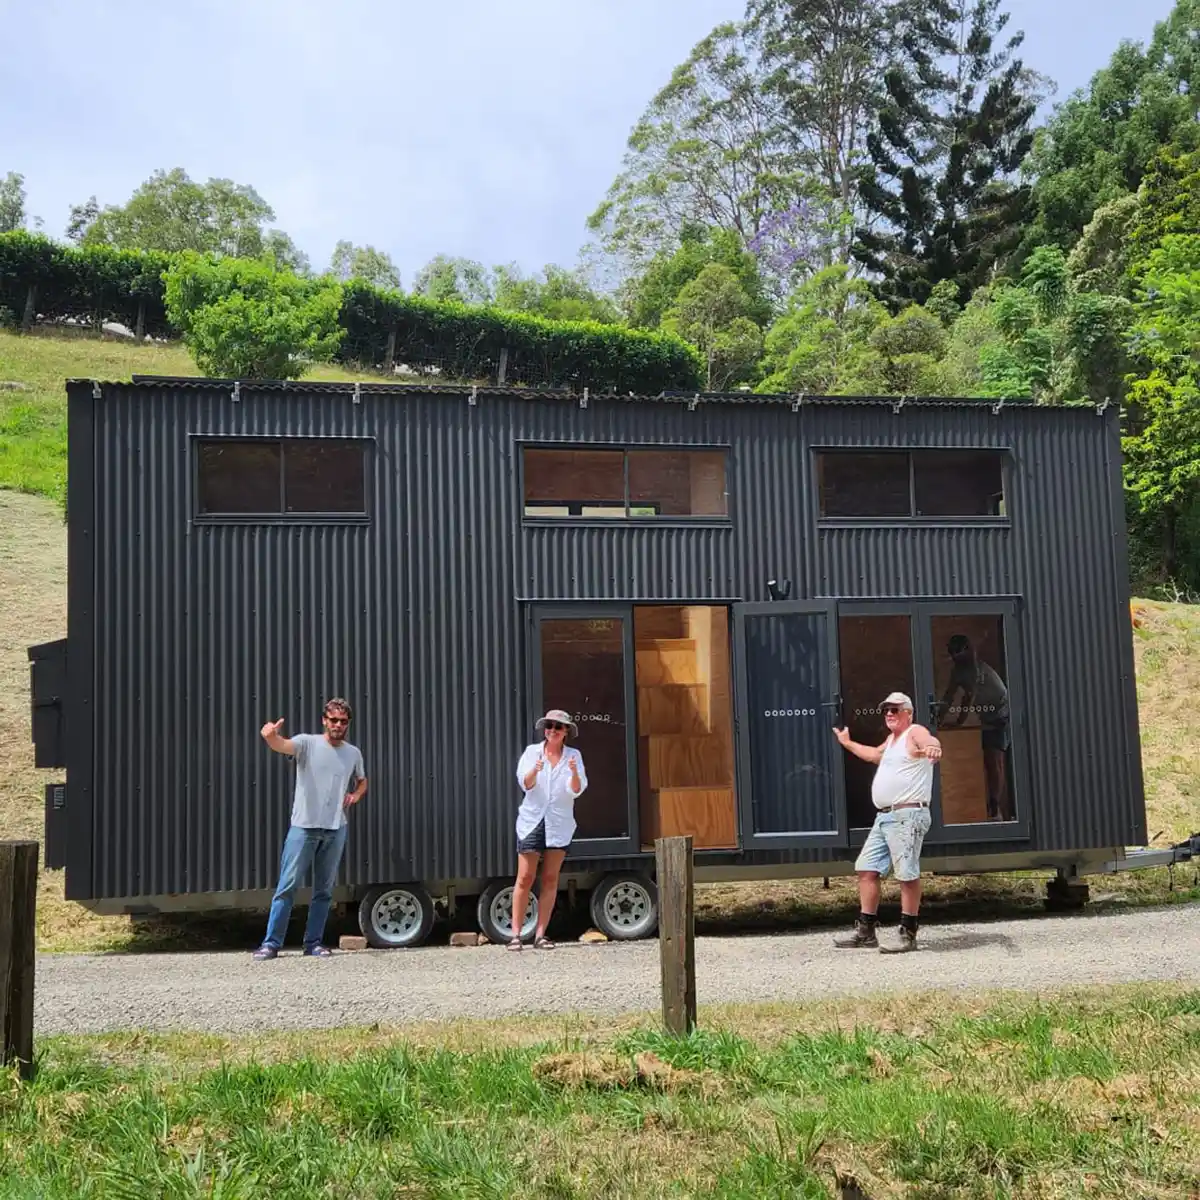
x,y
584,664
969,668
791,771
875,658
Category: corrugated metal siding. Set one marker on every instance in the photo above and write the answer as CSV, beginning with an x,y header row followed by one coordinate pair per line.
x,y
205,631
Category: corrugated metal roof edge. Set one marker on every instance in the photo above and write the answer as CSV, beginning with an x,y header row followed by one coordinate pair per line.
x,y
794,400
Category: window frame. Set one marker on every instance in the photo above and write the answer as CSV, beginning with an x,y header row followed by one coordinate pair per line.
x,y
281,517
999,521
625,448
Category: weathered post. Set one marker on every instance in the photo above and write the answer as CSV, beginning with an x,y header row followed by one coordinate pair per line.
x,y
18,900
676,933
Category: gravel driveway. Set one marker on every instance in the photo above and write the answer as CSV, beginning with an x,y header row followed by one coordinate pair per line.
x,y
228,992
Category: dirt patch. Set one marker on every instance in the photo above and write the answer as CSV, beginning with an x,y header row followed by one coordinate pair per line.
x,y
607,1072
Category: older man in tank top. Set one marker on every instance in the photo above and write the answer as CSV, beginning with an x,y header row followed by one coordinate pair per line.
x,y
901,792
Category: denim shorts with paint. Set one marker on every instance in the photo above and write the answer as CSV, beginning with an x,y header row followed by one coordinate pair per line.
x,y
894,843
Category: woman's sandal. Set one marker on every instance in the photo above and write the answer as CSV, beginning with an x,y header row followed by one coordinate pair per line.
x,y
515,944
543,943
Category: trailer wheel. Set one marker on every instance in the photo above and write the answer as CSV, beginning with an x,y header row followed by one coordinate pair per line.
x,y
495,913
625,907
396,916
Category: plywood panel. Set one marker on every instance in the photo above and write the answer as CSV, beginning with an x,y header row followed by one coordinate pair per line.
x,y
705,813
672,708
666,666
964,783
652,621
677,761
574,475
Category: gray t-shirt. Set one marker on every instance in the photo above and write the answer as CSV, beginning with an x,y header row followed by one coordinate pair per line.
x,y
323,775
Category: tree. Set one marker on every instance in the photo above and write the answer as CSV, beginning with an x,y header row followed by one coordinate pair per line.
x,y
952,133
366,263
647,297
171,212
820,345
559,295
713,313
1099,261
285,254
1101,141
83,217
711,149
244,319
445,278
824,60
12,202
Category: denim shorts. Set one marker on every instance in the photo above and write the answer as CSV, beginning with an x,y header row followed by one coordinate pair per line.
x,y
895,842
535,843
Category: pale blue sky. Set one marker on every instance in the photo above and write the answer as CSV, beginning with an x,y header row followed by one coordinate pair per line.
x,y
484,128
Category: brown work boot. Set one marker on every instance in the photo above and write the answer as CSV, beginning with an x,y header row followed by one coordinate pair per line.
x,y
898,942
863,936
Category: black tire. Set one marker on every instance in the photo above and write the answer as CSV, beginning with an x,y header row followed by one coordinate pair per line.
x,y
494,912
624,906
396,916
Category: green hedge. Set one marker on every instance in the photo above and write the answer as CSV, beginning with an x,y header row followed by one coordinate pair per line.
x,y
94,284
98,284
466,342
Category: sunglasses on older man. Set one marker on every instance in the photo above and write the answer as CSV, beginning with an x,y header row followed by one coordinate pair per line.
x,y
555,725
891,710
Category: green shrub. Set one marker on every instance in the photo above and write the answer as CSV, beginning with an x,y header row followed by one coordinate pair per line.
x,y
243,319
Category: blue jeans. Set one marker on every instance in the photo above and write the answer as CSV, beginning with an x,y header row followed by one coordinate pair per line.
x,y
320,849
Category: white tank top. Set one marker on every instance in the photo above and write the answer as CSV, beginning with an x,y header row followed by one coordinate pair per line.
x,y
899,778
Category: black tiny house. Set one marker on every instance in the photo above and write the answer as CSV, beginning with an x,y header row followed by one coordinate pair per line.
x,y
708,583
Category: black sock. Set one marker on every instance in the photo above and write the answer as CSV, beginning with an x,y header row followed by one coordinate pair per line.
x,y
908,922
868,918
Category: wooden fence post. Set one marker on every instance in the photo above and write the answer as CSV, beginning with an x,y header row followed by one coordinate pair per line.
x,y
30,308
18,900
676,933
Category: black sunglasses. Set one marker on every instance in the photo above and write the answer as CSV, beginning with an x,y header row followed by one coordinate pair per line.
x,y
891,710
553,725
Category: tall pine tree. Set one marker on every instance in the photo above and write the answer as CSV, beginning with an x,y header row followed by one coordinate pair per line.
x,y
952,133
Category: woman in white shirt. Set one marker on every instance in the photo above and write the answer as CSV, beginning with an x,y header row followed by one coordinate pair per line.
x,y
551,776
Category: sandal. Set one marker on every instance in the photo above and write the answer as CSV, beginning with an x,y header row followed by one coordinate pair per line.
x,y
543,943
318,952
515,944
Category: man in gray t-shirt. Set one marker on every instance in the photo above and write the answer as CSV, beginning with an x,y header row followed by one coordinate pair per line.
x,y
326,765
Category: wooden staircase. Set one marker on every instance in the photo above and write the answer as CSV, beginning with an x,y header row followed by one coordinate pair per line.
x,y
684,726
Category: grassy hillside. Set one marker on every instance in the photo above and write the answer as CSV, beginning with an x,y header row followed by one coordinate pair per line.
x,y
33,418
33,604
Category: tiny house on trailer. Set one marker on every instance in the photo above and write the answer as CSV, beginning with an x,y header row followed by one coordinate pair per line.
x,y
708,583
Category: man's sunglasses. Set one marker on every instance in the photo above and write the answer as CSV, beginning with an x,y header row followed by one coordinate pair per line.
x,y
891,710
338,720
553,725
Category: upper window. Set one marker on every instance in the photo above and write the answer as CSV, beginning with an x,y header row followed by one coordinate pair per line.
x,y
281,477
907,484
620,484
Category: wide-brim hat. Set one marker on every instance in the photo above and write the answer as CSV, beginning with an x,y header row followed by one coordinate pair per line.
x,y
899,699
557,714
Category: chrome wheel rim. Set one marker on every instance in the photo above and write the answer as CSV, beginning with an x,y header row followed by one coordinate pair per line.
x,y
396,917
501,913
629,906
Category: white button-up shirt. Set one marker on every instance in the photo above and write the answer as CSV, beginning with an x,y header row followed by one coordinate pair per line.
x,y
550,799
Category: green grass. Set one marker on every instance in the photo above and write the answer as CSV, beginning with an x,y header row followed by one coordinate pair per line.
x,y
1064,1097
33,423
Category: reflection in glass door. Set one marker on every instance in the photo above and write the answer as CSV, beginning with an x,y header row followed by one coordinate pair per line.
x,y
585,666
971,688
875,658
790,761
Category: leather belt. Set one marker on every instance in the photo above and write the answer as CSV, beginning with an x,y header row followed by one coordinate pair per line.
x,y
906,804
